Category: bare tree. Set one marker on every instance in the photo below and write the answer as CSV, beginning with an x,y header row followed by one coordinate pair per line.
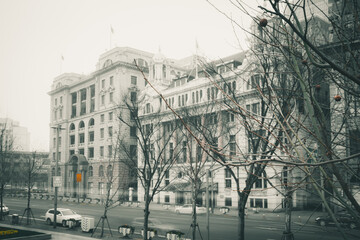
x,y
6,163
118,179
150,158
34,166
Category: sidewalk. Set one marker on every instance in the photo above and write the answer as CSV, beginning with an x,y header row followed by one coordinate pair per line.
x,y
54,235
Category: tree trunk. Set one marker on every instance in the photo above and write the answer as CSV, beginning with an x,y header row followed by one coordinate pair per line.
x,y
287,234
146,212
1,201
28,221
241,216
194,223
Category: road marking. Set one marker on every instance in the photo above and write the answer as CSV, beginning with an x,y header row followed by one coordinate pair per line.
x,y
268,228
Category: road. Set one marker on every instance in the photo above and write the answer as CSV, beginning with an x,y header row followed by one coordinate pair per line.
x,y
221,226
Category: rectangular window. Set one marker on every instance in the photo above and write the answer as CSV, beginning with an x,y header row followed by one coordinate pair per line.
x,y
133,131
133,96
91,153
184,151
81,138
72,139
90,187
83,94
81,151
101,151
110,131
171,150
228,202
92,91
91,136
103,83
111,96
111,116
255,108
101,188
227,178
102,118
133,113
111,80
55,101
73,98
133,150
92,105
261,182
110,151
232,145
133,80
61,100
101,132
102,99
167,198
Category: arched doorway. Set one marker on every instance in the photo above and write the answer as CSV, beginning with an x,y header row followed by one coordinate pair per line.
x,y
77,164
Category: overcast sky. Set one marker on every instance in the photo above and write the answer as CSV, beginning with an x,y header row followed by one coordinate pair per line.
x,y
36,33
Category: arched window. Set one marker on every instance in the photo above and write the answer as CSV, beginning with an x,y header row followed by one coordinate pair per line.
x,y
107,63
59,171
91,122
101,171
81,124
109,171
72,127
91,171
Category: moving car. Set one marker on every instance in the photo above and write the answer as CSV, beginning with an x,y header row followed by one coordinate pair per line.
x,y
153,223
63,216
5,210
187,209
344,219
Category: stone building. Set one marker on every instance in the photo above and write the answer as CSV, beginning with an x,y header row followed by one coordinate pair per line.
x,y
85,108
199,98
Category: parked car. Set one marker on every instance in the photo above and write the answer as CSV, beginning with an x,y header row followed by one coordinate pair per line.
x,y
154,223
187,209
63,216
5,210
344,219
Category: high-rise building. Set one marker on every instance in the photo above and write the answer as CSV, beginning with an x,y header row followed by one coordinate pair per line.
x,y
19,135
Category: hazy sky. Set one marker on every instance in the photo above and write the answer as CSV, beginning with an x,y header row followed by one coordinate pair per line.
x,y
36,33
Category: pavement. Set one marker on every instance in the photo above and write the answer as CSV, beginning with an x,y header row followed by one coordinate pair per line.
x,y
298,217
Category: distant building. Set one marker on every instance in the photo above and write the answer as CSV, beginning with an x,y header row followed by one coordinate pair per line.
x,y
85,107
35,164
19,134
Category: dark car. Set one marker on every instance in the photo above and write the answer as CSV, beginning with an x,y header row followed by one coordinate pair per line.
x,y
344,219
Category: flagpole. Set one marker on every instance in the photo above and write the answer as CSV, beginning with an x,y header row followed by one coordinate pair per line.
x,y
196,59
61,62
111,35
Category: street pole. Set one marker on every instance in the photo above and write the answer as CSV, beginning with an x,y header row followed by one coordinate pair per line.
x,y
58,128
56,172
212,193
207,205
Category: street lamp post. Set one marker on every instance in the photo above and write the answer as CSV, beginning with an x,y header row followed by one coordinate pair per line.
x,y
58,128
